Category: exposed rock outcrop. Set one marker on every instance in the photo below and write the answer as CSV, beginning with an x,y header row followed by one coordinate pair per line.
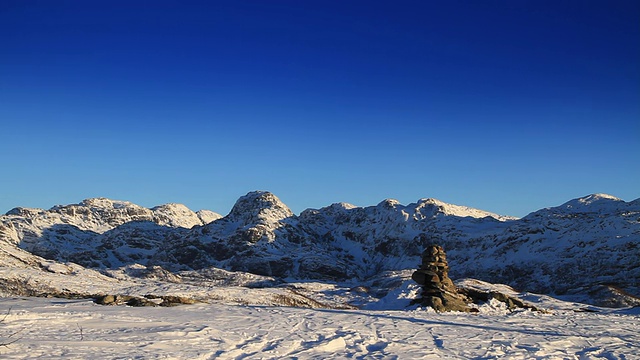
x,y
147,300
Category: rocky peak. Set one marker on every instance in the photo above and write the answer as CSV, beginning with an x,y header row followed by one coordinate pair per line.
x,y
101,214
176,215
26,212
208,216
388,204
259,207
326,218
102,207
429,207
594,203
104,203
172,208
340,207
434,207
591,203
335,209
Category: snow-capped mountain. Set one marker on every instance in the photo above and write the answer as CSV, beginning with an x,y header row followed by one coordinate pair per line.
x,y
73,232
101,214
571,248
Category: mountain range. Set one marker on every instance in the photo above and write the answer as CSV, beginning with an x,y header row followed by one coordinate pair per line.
x,y
575,248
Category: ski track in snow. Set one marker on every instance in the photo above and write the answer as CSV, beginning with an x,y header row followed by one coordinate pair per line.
x,y
54,329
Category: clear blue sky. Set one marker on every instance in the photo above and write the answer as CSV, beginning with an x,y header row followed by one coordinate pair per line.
x,y
507,106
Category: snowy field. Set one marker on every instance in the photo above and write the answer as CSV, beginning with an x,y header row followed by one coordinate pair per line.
x,y
79,329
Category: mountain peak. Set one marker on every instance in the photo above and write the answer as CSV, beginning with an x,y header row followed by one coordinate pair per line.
x,y
458,210
389,203
101,214
589,199
176,215
23,211
171,207
259,206
343,205
104,203
593,203
208,216
590,202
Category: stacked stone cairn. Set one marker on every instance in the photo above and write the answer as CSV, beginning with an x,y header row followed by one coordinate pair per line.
x,y
438,291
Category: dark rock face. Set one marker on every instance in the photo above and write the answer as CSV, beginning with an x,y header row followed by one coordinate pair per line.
x,y
438,291
167,300
511,302
123,300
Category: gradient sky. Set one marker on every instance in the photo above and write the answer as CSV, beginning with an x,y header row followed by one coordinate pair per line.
x,y
506,106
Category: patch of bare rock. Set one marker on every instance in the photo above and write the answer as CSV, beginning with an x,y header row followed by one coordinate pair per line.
x,y
147,300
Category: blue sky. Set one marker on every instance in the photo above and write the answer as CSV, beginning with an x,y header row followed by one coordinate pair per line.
x,y
507,106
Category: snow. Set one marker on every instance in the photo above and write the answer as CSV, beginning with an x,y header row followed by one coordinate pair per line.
x,y
54,329
355,320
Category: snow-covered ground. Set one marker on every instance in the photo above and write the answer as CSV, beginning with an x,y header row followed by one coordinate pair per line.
x,y
79,329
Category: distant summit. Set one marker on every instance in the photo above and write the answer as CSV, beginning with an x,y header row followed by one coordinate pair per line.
x,y
591,201
102,214
259,206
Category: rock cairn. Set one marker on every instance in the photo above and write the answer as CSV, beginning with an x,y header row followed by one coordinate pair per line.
x,y
438,291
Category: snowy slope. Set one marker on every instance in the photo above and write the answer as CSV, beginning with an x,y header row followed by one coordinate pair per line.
x,y
54,329
318,326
